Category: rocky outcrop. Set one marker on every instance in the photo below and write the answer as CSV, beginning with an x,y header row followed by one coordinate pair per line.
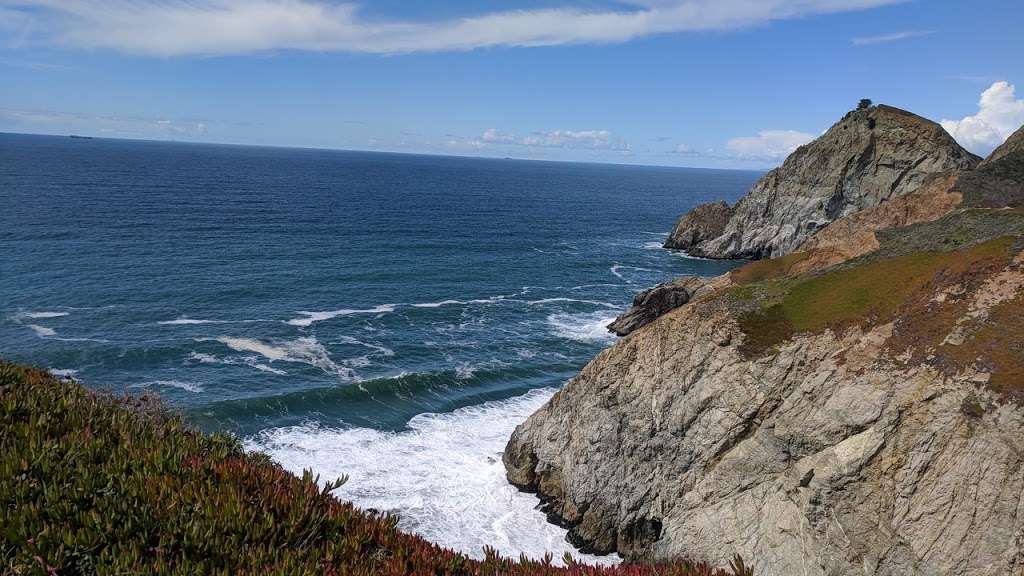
x,y
854,235
703,223
871,156
654,302
999,180
1014,144
861,420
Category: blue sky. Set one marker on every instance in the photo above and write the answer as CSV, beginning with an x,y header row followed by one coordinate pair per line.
x,y
715,83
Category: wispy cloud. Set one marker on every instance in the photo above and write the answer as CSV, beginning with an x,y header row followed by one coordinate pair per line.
x,y
887,38
999,114
973,78
48,121
576,139
684,150
31,64
768,145
210,27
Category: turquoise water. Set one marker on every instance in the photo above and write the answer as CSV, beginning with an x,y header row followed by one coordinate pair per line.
x,y
391,317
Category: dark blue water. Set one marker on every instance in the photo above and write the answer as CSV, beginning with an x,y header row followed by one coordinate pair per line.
x,y
315,302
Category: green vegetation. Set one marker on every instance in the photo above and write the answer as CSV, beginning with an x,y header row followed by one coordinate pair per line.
x,y
997,347
96,484
761,270
868,290
955,231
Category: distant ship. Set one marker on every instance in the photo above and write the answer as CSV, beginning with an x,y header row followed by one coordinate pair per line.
x,y
81,137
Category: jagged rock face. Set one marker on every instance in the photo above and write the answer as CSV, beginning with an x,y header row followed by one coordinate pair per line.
x,y
885,447
999,180
870,156
854,235
1013,144
703,223
654,302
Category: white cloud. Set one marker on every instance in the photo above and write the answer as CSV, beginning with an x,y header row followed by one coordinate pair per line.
x,y
684,150
999,114
577,139
205,27
768,145
106,125
893,37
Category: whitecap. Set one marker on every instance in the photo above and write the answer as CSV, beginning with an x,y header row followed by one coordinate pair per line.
x,y
188,321
187,386
464,371
585,327
615,270
42,331
653,245
311,317
438,304
488,300
383,350
63,372
301,350
683,254
41,315
443,476
251,361
552,300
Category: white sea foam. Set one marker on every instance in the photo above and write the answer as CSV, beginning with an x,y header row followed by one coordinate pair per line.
x,y
438,304
615,270
40,315
585,286
311,317
464,371
301,350
585,327
653,245
553,300
489,300
251,361
42,331
63,372
383,350
187,321
443,477
187,386
683,254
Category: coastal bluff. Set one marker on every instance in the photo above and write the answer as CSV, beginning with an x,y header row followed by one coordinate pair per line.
x,y
851,404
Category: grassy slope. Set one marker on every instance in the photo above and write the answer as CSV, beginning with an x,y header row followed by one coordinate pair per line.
x,y
897,283
93,484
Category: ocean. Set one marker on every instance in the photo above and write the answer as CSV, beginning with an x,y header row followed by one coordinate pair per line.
x,y
389,317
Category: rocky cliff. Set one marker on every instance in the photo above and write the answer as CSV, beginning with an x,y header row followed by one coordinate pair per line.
x,y
870,156
853,407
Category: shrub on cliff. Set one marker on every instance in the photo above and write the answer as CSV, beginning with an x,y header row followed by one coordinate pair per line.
x,y
97,484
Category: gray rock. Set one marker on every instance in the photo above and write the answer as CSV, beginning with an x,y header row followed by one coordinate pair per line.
x,y
870,156
703,223
821,459
999,180
653,302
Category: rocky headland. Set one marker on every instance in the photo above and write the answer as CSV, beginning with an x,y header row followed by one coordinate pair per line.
x,y
870,156
852,405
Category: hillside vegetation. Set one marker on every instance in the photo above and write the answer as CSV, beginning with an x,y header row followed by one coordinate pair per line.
x,y
91,483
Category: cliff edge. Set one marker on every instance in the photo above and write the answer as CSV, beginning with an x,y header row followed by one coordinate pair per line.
x,y
854,407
